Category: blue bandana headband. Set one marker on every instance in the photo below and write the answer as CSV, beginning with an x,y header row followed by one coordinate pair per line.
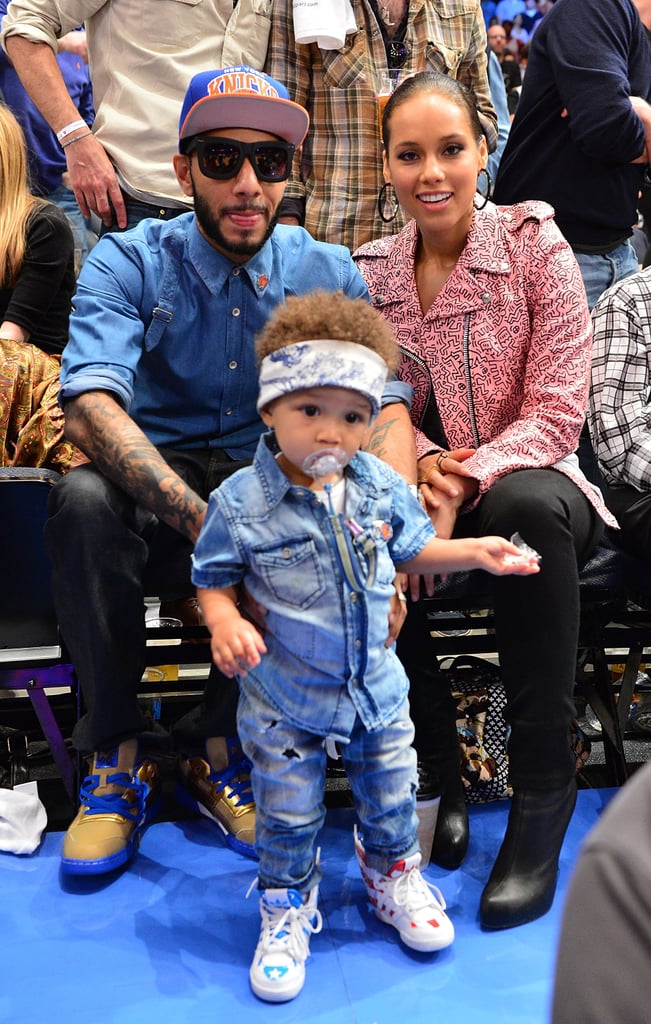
x,y
323,363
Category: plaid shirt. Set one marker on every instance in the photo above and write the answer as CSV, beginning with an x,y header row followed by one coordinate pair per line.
x,y
620,408
338,175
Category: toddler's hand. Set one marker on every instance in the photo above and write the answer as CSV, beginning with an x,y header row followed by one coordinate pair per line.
x,y
236,646
502,557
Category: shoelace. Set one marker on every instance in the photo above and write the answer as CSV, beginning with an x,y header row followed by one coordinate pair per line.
x,y
288,929
414,893
241,787
115,803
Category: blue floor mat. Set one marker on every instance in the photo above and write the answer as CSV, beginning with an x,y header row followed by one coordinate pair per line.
x,y
170,938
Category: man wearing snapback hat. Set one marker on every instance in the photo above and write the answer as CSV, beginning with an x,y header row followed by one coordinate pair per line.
x,y
159,388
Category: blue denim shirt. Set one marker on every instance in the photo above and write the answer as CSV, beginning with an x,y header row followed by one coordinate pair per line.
x,y
326,660
166,323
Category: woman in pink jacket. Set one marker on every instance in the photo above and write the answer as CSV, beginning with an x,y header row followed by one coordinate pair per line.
x,y
490,312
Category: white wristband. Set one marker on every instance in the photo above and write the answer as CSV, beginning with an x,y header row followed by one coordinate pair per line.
x,y
70,128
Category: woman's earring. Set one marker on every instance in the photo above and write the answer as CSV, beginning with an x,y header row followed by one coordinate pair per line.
x,y
489,188
387,203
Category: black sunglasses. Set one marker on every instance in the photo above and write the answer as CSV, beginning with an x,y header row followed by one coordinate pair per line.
x,y
222,158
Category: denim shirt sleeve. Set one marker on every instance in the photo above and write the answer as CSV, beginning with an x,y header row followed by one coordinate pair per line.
x,y
396,391
216,559
106,328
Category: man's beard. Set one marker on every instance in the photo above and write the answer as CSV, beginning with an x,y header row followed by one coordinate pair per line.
x,y
211,229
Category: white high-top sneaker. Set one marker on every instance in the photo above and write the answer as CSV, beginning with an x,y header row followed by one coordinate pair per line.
x,y
289,918
403,898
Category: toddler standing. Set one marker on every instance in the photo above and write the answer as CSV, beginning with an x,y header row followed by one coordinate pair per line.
x,y
314,530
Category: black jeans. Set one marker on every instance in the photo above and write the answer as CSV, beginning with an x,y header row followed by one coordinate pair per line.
x,y
632,510
108,554
537,624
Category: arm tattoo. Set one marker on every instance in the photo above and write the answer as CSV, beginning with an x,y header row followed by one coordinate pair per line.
x,y
376,443
124,454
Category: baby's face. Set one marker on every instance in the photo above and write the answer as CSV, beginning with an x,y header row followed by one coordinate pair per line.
x,y
314,419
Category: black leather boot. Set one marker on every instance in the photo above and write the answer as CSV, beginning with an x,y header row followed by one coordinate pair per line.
x,y
452,831
522,883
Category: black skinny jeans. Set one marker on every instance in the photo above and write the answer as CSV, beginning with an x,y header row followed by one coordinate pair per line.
x,y
537,623
108,554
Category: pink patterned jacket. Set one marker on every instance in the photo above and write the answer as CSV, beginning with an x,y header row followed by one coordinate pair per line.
x,y
506,346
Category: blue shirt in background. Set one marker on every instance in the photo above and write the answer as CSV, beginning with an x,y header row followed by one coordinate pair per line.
x,y
47,161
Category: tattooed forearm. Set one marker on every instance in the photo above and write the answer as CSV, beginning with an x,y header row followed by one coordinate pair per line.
x,y
391,438
123,453
377,438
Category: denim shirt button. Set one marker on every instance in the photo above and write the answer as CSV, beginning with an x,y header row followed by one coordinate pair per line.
x,y
358,644
236,311
286,553
353,598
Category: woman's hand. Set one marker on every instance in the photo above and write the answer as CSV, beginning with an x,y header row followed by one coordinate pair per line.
x,y
446,485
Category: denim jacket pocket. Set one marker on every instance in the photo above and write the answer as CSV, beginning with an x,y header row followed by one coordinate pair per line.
x,y
291,570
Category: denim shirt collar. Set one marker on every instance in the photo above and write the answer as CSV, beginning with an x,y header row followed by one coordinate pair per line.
x,y
214,268
275,484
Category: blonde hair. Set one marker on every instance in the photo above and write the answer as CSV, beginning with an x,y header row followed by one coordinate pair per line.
x,y
16,201
333,315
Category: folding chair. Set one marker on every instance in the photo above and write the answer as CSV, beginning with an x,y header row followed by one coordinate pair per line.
x,y
31,657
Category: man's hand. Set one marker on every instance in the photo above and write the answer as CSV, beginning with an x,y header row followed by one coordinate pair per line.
x,y
643,111
94,182
397,609
97,425
74,42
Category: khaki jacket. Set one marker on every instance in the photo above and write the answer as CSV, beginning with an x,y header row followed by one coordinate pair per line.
x,y
142,56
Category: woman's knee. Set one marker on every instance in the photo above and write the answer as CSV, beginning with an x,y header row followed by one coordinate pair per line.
x,y
544,504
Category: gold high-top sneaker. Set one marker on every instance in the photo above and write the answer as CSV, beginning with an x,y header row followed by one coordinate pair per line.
x,y
219,787
119,797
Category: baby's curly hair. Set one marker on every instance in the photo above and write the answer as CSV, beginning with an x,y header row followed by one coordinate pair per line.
x,y
332,315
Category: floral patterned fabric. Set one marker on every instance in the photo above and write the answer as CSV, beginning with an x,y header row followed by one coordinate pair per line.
x,y
31,419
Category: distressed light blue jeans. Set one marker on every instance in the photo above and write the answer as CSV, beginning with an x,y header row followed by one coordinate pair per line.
x,y
288,779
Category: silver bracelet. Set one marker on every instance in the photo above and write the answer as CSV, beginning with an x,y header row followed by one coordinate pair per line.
x,y
84,135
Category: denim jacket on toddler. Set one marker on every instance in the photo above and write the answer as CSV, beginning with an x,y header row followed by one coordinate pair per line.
x,y
326,661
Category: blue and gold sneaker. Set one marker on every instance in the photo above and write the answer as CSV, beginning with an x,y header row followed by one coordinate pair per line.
x,y
119,798
219,787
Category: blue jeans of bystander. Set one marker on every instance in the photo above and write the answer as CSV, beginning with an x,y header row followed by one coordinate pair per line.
x,y
599,270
